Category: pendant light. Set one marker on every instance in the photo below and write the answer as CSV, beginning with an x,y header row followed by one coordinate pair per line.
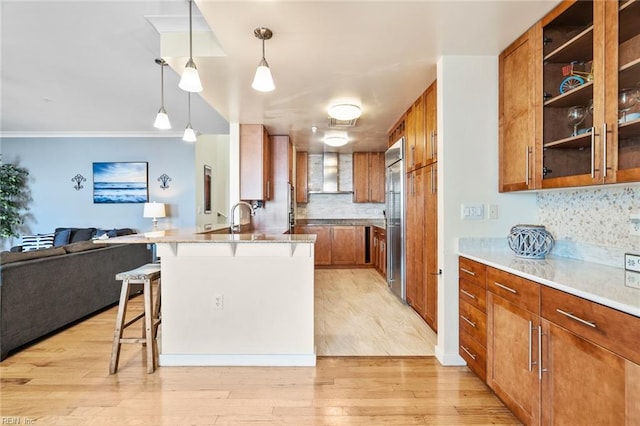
x,y
162,119
263,81
190,80
189,133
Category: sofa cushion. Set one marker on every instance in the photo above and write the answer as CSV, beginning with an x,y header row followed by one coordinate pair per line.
x,y
37,242
82,246
79,234
61,237
10,257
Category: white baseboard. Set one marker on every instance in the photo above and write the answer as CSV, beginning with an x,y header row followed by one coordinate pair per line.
x,y
246,360
449,359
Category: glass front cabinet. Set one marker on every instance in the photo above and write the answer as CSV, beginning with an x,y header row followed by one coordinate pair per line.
x,y
590,83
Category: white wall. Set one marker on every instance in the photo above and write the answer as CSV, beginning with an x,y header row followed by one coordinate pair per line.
x,y
52,162
468,173
213,151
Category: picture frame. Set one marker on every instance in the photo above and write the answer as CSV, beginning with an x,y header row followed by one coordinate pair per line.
x,y
120,182
208,178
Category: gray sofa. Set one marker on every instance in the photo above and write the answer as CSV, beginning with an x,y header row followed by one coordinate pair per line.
x,y
41,295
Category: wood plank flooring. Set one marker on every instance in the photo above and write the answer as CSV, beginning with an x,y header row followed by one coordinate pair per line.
x,y
64,380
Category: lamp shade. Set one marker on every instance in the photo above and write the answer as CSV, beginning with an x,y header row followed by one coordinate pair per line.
x,y
189,134
263,81
190,80
162,120
154,210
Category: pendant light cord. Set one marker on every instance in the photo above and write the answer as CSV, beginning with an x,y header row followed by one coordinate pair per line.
x,y
162,82
190,31
263,49
189,107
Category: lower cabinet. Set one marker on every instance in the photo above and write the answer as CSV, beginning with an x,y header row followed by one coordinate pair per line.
x,y
379,250
337,245
553,358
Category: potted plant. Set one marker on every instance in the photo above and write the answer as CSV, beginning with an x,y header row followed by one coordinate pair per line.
x,y
14,198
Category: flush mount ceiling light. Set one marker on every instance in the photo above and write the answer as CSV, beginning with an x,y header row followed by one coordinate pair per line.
x,y
263,81
190,80
335,140
162,118
344,111
189,133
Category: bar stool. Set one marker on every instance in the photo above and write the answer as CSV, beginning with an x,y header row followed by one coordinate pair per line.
x,y
144,275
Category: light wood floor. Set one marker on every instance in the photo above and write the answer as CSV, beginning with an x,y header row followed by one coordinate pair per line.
x,y
64,380
356,314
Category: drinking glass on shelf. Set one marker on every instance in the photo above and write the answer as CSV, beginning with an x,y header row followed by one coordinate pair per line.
x,y
576,116
626,101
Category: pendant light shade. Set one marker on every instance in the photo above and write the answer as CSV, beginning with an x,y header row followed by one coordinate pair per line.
x,y
263,81
189,134
190,80
162,118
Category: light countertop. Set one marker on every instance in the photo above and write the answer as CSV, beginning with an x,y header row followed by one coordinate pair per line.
x,y
607,285
196,235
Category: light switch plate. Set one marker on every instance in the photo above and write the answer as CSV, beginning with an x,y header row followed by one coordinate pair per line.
x,y
632,279
632,262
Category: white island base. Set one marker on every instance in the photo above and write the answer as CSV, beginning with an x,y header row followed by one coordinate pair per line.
x,y
238,300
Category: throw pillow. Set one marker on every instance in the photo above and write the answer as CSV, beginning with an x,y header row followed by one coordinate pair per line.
x,y
81,234
37,242
61,237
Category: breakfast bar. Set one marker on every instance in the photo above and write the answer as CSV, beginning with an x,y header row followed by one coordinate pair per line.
x,y
234,299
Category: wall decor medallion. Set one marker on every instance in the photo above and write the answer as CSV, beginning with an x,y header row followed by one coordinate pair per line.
x,y
164,180
120,182
78,179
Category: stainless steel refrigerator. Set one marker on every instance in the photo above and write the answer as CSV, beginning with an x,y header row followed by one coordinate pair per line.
x,y
395,214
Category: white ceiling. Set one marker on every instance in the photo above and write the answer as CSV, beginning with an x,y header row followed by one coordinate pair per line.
x,y
87,68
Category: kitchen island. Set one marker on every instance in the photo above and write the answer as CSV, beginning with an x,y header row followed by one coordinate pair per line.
x,y
234,299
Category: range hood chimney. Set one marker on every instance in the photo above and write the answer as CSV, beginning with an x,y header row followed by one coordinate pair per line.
x,y
330,172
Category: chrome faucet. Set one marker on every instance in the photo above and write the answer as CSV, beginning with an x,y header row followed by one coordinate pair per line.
x,y
232,226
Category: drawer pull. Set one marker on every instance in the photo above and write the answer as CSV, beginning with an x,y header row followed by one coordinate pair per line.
x,y
471,323
504,287
468,353
473,274
575,318
466,293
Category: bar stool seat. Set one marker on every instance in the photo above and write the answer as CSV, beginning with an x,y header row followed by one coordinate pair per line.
x,y
144,275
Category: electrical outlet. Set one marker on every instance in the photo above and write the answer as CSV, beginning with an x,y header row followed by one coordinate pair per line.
x,y
218,301
634,228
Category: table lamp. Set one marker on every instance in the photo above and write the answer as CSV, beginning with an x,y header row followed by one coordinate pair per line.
x,y
154,210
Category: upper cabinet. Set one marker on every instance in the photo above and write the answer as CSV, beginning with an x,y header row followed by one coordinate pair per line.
x,y
301,184
582,63
255,163
430,153
517,112
368,177
420,131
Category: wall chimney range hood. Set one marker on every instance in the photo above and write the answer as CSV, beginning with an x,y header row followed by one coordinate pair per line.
x,y
330,175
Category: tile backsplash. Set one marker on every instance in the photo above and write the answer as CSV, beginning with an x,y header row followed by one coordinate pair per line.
x,y
584,219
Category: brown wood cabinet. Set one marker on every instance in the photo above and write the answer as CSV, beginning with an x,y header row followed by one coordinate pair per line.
x,y
368,177
431,124
552,357
517,108
415,137
255,163
432,272
414,241
473,334
301,184
585,54
397,131
337,245
379,250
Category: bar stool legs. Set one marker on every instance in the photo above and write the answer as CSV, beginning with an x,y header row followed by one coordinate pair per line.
x,y
144,275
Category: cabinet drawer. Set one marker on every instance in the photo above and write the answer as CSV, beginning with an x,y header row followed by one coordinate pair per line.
x,y
520,291
472,271
473,322
607,327
474,295
475,355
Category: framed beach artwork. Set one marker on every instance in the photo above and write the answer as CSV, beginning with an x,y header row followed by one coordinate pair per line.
x,y
121,182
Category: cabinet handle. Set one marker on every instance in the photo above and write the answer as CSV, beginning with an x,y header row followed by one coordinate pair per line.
x,y
433,183
473,274
463,291
540,369
526,165
502,286
413,155
604,150
468,353
268,189
575,318
593,152
468,321
531,362
433,144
